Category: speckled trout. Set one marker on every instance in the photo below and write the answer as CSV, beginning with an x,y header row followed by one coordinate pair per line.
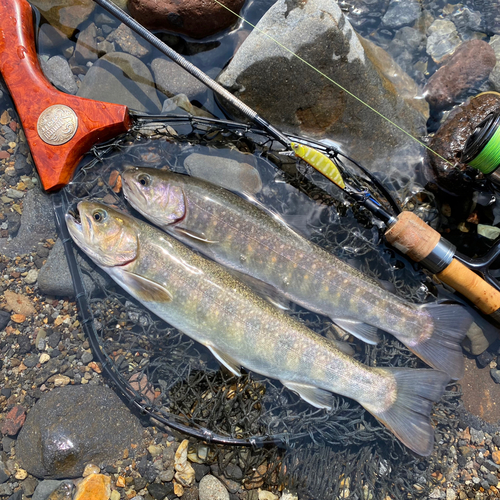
x,y
240,328
243,236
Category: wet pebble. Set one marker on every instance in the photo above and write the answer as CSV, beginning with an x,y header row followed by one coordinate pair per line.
x,y
211,488
442,39
94,487
401,13
59,73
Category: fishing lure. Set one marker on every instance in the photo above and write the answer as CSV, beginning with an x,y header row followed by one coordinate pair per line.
x,y
320,162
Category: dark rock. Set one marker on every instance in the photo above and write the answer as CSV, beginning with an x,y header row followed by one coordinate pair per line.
x,y
54,339
18,495
29,486
485,359
194,18
22,166
14,220
159,491
37,224
190,493
200,471
496,440
72,426
4,476
129,42
24,344
121,79
7,443
470,64
6,392
45,488
31,361
495,375
449,141
313,106
13,421
490,465
50,38
4,319
139,483
491,478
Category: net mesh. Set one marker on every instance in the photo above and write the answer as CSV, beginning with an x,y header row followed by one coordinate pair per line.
x,y
341,453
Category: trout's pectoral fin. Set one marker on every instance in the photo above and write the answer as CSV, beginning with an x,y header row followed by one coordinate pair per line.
x,y
226,360
145,289
363,331
342,346
198,236
313,395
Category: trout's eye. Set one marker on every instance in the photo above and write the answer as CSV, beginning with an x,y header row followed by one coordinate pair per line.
x,y
99,215
144,180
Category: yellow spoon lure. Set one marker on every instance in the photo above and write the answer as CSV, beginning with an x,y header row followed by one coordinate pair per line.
x,y
320,162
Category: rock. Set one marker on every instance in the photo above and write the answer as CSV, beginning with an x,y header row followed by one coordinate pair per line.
x,y
45,488
18,303
171,79
468,22
260,74
195,18
495,375
94,487
86,45
37,224
228,173
495,456
121,79
160,491
13,421
29,486
31,277
471,63
129,42
185,473
490,12
267,495
4,319
59,73
50,38
443,39
211,488
65,16
54,278
401,13
450,139
494,77
181,102
484,359
476,436
72,426
63,492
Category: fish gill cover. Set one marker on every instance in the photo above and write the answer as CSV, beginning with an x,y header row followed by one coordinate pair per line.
x,y
177,381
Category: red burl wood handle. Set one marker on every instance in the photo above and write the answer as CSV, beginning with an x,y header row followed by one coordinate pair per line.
x,y
57,136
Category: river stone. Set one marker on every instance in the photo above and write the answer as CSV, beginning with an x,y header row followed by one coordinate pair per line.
x,y
450,139
121,79
212,489
86,45
72,426
442,39
195,18
129,42
297,99
37,224
494,77
470,64
59,73
401,13
225,172
54,278
65,15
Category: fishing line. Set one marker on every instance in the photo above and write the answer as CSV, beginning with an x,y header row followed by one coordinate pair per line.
x,y
335,83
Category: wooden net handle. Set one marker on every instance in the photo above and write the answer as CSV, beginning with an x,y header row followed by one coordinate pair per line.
x,y
33,95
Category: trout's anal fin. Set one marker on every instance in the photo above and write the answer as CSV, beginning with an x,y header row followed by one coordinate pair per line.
x,y
226,360
198,236
363,331
145,289
313,395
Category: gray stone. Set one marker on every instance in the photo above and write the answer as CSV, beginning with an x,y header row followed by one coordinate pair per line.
x,y
129,42
171,79
225,172
86,45
401,13
476,436
37,224
58,72
29,486
50,38
72,426
211,488
87,357
309,104
443,39
494,77
495,375
468,22
121,79
478,339
54,278
5,489
45,488
15,194
31,277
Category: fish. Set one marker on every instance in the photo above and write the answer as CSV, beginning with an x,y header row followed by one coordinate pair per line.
x,y
249,239
241,329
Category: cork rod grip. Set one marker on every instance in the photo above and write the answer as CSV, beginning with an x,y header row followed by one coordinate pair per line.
x,y
33,94
472,286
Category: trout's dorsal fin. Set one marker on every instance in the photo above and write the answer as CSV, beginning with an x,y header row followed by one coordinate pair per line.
x,y
145,289
198,236
313,395
226,360
363,331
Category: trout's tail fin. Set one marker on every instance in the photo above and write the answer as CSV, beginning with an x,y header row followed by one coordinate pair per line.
x,y
408,416
442,350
